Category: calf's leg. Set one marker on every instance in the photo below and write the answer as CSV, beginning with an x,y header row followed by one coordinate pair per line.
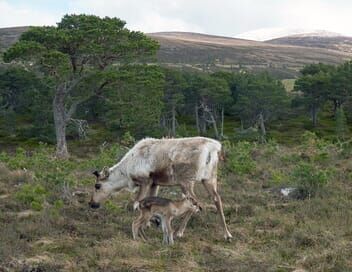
x,y
154,189
180,230
187,188
170,231
136,226
165,231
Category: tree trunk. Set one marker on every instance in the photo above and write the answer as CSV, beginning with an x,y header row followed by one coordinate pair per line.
x,y
197,118
314,115
173,121
213,121
214,126
203,122
262,127
335,106
60,122
222,123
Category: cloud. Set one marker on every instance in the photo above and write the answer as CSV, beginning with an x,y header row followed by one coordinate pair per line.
x,y
147,16
221,17
16,15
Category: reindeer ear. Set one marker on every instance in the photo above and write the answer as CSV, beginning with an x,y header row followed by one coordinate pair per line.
x,y
106,171
96,173
183,196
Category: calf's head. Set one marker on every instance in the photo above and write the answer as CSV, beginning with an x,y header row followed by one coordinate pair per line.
x,y
191,204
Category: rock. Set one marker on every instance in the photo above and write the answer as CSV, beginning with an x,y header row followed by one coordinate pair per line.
x,y
287,191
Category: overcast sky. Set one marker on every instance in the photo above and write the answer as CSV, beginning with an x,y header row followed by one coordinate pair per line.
x,y
218,17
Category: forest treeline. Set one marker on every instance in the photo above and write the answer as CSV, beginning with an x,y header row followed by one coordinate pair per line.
x,y
91,71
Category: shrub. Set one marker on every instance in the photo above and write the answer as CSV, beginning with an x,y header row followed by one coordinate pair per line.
x,y
312,143
112,207
4,172
127,139
32,195
239,158
107,156
341,124
278,177
249,134
50,171
315,148
270,148
54,210
16,177
309,179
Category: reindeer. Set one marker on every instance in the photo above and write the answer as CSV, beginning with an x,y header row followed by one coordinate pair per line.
x,y
165,209
164,162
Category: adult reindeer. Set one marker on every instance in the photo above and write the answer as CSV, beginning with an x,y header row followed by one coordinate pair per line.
x,y
164,162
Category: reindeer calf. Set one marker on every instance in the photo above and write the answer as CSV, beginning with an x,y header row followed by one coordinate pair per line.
x,y
165,210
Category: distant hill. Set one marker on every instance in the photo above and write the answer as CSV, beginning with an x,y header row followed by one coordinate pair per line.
x,y
207,52
10,35
282,57
339,43
264,34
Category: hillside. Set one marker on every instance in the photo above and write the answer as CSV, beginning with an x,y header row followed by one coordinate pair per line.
x,y
338,43
10,35
265,34
206,52
211,53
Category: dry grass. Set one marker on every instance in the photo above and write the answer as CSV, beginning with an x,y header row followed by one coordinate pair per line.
x,y
14,177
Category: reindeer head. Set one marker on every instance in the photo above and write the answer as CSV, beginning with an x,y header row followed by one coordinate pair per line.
x,y
190,203
101,190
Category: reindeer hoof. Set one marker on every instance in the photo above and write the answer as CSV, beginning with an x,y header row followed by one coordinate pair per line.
x,y
136,206
179,234
228,237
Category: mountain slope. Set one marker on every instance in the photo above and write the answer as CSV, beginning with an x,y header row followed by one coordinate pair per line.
x,y
10,35
264,34
211,53
206,52
339,43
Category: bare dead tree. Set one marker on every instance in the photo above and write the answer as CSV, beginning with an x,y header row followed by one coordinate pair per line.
x,y
82,127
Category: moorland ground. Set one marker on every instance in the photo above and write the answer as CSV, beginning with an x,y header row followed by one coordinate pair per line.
x,y
46,224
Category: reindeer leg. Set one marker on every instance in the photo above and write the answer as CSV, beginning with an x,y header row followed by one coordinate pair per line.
x,y
165,234
142,234
144,186
188,189
134,230
169,230
154,189
210,186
